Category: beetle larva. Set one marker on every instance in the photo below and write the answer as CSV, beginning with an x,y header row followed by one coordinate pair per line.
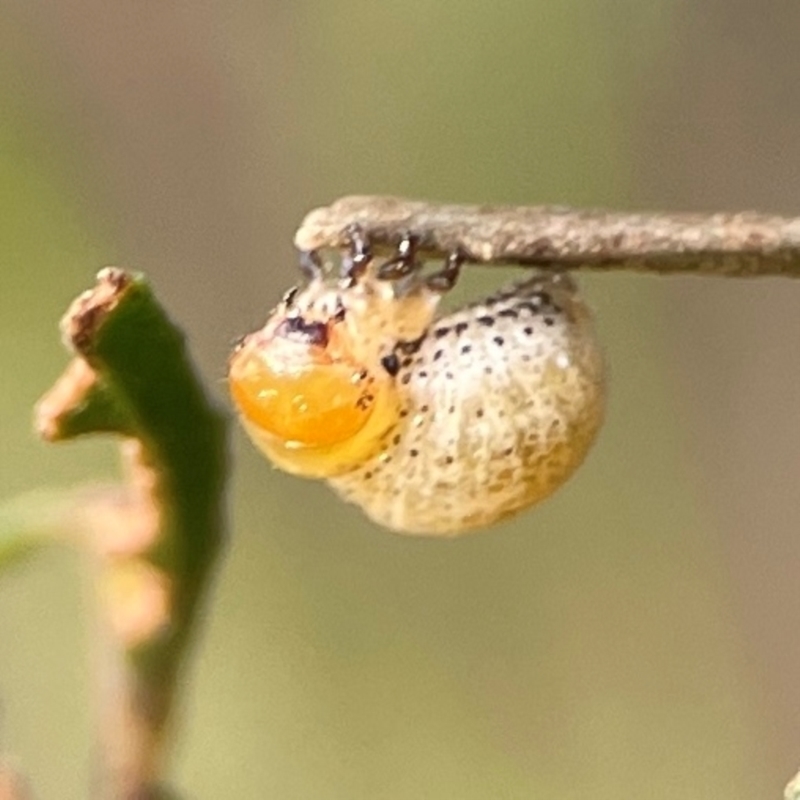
x,y
432,424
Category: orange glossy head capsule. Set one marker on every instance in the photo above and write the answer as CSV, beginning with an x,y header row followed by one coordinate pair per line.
x,y
305,398
299,386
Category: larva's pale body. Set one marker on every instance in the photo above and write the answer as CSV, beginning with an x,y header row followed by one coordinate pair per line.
x,y
498,407
432,425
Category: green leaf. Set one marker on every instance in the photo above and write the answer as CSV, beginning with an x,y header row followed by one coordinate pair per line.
x,y
34,520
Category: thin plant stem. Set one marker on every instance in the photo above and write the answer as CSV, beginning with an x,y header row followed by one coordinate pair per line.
x,y
550,237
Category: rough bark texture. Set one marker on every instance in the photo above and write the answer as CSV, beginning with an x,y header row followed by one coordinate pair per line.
x,y
736,244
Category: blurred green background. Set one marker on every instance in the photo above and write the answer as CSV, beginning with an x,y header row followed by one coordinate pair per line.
x,y
634,636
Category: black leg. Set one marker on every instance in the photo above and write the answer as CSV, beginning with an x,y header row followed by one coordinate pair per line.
x,y
339,311
564,281
311,265
289,296
404,262
356,258
445,279
552,278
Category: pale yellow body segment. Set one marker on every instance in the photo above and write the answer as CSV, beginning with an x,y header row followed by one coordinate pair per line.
x,y
477,414
499,406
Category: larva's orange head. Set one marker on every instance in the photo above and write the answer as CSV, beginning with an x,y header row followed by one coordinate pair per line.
x,y
309,386
298,383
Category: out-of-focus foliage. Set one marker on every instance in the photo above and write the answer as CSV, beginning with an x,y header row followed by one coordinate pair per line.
x,y
589,648
31,521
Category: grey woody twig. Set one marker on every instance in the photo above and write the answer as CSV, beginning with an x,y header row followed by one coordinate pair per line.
x,y
740,244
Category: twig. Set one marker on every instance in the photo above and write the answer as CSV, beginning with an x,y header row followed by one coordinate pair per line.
x,y
741,245
154,541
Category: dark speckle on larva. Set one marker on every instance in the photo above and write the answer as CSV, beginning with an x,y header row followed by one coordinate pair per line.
x,y
505,409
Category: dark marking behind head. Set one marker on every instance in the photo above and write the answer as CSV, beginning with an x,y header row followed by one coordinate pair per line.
x,y
391,364
297,329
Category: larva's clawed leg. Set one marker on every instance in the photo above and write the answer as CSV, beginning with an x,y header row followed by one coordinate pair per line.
x,y
565,282
446,278
311,265
357,256
556,282
290,296
404,262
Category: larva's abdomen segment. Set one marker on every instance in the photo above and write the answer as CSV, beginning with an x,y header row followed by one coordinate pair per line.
x,y
499,404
